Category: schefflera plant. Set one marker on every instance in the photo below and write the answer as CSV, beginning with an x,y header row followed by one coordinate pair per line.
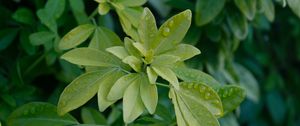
x,y
130,71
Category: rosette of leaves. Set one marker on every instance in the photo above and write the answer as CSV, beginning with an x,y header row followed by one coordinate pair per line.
x,y
129,71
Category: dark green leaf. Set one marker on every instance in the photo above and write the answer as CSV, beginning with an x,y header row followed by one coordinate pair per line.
x,y
24,15
247,7
42,37
206,11
6,37
76,36
92,116
38,113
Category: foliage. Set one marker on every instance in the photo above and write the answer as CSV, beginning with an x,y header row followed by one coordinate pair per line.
x,y
117,61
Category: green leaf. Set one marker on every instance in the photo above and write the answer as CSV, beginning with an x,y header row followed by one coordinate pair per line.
x,y
130,48
90,57
55,8
92,116
6,37
206,11
131,3
172,32
38,113
118,51
105,87
104,38
76,36
78,10
167,74
147,28
42,37
80,90
269,9
202,94
231,96
164,60
193,75
103,8
132,102
47,20
24,15
248,82
127,26
118,89
134,62
294,5
184,51
152,75
140,48
149,94
188,113
25,42
238,24
247,7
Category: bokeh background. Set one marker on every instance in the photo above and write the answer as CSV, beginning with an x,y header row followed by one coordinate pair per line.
x,y
257,48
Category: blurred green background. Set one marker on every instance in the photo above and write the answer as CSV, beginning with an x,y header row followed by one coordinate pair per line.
x,y
255,45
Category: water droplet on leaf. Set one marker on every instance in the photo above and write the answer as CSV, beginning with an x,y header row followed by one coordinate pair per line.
x,y
171,23
166,31
207,95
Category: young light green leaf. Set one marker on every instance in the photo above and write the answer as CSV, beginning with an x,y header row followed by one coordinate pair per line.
x,y
132,102
130,48
78,10
193,75
42,37
90,57
39,113
76,36
92,116
188,113
206,11
294,5
24,15
104,38
80,90
202,94
231,96
269,9
152,75
55,8
149,94
172,32
133,15
134,62
167,74
140,48
238,24
104,88
118,51
103,8
184,51
247,7
164,60
118,89
127,26
147,28
131,3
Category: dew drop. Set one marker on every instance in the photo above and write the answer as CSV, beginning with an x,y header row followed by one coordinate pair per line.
x,y
207,95
166,31
202,89
216,102
171,23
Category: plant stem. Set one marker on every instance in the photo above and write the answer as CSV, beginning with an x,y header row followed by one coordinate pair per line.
x,y
93,14
36,62
163,85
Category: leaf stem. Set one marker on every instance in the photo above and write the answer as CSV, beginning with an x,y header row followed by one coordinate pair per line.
x,y
94,13
36,62
163,85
